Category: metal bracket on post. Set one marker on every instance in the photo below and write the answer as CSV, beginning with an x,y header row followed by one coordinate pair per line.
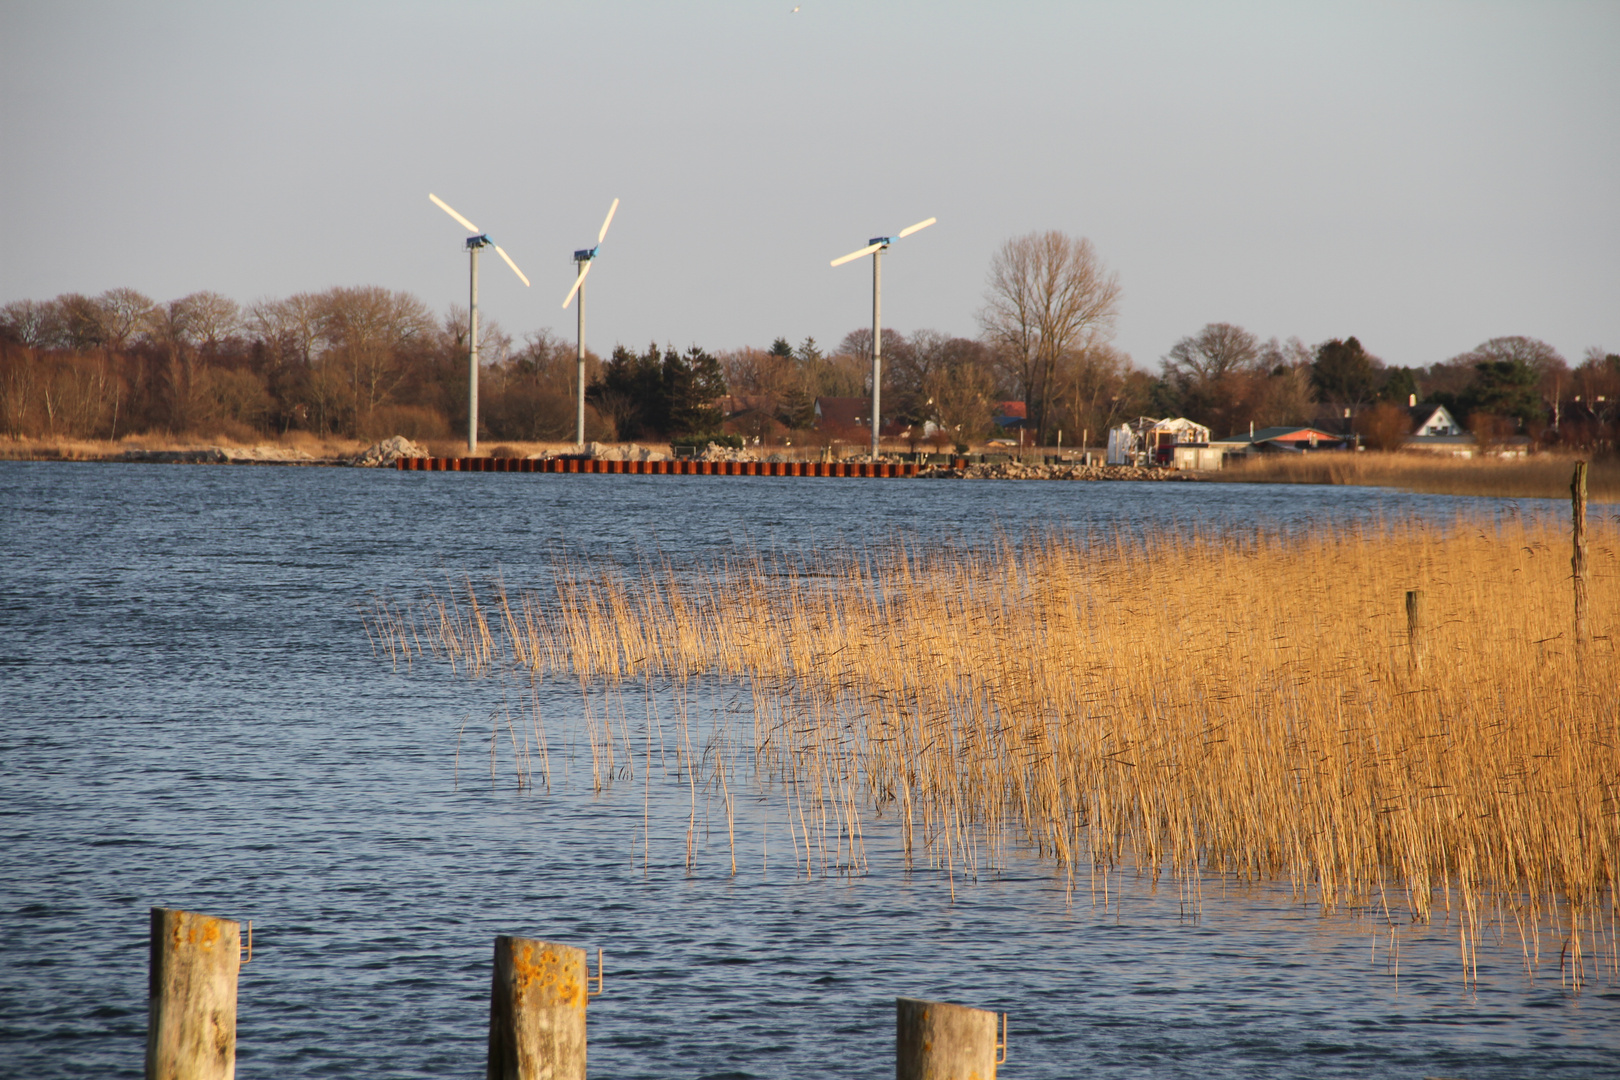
x,y
589,993
1001,1047
248,945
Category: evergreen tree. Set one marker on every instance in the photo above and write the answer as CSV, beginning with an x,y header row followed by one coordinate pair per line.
x,y
1400,387
692,382
1505,388
1343,373
630,389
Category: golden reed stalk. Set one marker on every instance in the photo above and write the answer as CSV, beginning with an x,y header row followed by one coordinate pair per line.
x,y
1184,704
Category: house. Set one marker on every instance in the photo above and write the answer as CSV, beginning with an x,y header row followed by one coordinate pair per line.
x,y
1155,440
1010,415
1436,431
843,414
851,418
1432,419
1285,440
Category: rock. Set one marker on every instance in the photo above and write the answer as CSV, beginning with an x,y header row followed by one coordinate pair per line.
x,y
212,455
387,452
715,452
280,455
630,452
1013,470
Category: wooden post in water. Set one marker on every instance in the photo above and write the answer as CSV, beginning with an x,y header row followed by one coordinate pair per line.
x,y
1414,629
191,1019
537,1010
937,1041
1577,560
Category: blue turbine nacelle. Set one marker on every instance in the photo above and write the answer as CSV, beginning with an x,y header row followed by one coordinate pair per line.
x,y
586,254
884,240
481,240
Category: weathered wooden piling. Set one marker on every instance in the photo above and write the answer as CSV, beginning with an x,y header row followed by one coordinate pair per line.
x,y
537,1010
1577,559
937,1041
1414,630
191,997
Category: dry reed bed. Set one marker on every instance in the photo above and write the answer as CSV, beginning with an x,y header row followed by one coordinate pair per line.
x,y
1181,704
1543,476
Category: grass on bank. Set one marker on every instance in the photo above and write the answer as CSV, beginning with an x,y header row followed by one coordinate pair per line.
x,y
1543,476
56,449
1183,705
330,447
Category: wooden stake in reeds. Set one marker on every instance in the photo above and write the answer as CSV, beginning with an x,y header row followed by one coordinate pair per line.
x,y
191,1025
537,1010
937,1041
1577,560
1414,629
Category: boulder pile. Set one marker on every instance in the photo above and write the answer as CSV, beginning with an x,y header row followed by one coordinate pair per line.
x,y
715,452
1013,470
632,452
387,452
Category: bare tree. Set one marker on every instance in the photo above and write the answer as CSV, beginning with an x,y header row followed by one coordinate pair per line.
x,y
289,334
27,322
215,319
1216,352
1048,295
1216,375
372,332
172,328
123,314
79,326
1089,394
959,393
290,329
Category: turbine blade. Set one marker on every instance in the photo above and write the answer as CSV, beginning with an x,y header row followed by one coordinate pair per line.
x,y
465,224
909,229
611,211
578,282
867,250
499,251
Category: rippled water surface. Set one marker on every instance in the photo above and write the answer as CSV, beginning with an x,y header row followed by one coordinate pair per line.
x,y
194,718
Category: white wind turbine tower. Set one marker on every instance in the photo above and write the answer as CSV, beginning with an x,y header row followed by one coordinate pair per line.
x,y
479,240
874,247
583,258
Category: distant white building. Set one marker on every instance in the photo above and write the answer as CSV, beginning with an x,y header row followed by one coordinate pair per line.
x,y
1122,445
1154,440
1433,420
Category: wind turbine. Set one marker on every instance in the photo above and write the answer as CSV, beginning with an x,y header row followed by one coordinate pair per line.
x,y
874,247
474,243
583,258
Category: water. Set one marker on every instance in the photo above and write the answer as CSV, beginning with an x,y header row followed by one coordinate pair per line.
x,y
194,718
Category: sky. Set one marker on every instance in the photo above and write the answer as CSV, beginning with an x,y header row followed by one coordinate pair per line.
x,y
1425,176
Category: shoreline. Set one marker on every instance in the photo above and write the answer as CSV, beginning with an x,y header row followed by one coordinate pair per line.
x,y
999,471
549,457
1542,476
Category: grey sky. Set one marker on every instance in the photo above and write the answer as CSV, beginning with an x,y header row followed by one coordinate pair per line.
x,y
1425,176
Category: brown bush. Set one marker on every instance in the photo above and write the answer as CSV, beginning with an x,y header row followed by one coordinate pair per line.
x,y
415,422
1384,427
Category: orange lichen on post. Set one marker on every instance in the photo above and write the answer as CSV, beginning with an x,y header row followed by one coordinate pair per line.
x,y
191,1027
537,1011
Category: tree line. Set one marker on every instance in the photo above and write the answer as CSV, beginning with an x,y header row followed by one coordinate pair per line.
x,y
1226,377
366,362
